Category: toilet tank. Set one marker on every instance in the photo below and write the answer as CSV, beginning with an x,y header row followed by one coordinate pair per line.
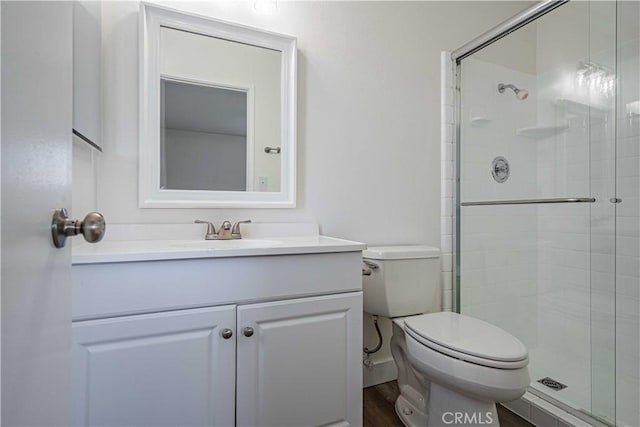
x,y
404,280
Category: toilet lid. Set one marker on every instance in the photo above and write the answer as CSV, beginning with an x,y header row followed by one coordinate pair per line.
x,y
458,333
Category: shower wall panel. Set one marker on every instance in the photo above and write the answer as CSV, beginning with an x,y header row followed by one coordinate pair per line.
x,y
499,243
628,217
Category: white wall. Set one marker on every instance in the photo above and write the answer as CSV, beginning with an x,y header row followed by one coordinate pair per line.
x,y
368,115
368,112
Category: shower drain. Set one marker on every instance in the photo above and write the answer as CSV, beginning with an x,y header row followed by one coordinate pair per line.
x,y
552,384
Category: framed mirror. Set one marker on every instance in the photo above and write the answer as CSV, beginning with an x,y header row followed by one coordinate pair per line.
x,y
217,113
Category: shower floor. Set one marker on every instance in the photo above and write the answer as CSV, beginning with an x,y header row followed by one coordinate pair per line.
x,y
571,350
591,397
575,374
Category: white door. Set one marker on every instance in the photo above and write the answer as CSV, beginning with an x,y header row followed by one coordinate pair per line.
x,y
36,178
164,369
300,362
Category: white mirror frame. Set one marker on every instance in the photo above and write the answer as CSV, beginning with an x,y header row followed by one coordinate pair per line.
x,y
152,17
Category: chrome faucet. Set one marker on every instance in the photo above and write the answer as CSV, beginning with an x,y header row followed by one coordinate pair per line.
x,y
211,230
235,231
226,232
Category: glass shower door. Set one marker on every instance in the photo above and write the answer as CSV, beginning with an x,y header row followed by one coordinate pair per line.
x,y
536,227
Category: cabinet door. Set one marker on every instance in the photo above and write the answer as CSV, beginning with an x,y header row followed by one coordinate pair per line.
x,y
302,365
162,369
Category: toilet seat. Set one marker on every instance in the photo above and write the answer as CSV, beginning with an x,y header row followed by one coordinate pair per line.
x,y
469,339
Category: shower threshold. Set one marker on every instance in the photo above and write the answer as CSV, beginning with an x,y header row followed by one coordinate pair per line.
x,y
580,413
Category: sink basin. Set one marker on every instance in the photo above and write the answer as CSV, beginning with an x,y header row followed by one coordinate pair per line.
x,y
216,245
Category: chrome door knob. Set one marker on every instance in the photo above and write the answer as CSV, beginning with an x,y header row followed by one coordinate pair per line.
x,y
227,333
248,332
92,227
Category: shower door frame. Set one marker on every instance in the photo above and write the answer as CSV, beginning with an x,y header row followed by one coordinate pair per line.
x,y
496,33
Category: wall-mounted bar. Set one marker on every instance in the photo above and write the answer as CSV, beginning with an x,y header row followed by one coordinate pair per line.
x,y
530,201
272,150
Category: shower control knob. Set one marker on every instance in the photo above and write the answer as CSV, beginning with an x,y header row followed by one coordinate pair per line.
x,y
500,169
248,332
227,333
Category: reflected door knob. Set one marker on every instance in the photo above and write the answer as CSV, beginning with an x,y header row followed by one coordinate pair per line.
x,y
92,227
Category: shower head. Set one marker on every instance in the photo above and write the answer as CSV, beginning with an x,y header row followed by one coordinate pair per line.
x,y
521,94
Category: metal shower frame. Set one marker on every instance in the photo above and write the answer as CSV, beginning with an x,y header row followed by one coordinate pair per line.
x,y
496,33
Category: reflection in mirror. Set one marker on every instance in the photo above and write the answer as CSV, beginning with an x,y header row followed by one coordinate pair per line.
x,y
211,110
203,138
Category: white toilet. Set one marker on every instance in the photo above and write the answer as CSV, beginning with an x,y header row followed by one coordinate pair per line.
x,y
452,368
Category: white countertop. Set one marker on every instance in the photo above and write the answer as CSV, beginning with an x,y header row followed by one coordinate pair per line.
x,y
257,242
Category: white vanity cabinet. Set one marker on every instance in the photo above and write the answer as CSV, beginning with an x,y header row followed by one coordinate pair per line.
x,y
160,369
151,342
296,366
299,362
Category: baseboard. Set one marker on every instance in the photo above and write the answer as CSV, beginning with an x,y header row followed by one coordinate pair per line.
x,y
382,371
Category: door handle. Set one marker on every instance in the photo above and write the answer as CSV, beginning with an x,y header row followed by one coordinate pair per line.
x,y
92,227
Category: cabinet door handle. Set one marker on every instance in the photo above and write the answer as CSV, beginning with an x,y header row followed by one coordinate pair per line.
x,y
248,331
227,333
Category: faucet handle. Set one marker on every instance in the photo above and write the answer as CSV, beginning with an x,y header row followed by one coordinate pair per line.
x,y
211,229
235,232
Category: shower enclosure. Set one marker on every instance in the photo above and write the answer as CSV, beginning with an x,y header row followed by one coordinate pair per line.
x,y
547,198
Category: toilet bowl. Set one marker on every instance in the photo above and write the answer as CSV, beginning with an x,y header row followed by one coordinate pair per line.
x,y
452,368
463,374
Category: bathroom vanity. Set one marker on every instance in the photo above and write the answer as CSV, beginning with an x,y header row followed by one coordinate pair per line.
x,y
193,332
